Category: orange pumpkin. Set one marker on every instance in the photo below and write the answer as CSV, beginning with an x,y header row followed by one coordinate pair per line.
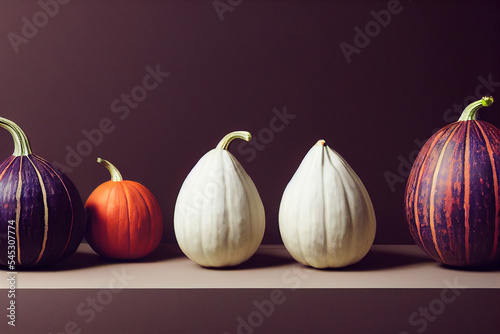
x,y
124,218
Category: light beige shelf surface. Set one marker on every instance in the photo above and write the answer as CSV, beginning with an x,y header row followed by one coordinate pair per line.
x,y
385,266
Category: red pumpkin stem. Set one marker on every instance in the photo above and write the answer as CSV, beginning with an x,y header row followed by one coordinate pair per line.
x,y
470,112
21,142
224,143
115,173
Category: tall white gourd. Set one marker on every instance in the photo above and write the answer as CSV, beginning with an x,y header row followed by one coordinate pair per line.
x,y
219,218
326,217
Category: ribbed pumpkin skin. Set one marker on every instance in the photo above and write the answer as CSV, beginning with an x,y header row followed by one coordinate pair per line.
x,y
124,220
452,196
50,223
326,217
219,218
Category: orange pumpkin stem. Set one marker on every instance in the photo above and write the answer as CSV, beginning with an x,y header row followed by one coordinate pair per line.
x,y
115,173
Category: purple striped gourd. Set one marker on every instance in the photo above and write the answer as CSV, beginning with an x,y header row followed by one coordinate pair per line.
x,y
42,219
452,195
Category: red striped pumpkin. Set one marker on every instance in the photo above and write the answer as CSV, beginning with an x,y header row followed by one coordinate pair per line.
x,y
452,196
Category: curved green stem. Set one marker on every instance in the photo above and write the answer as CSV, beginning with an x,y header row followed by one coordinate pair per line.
x,y
470,112
224,143
115,173
21,142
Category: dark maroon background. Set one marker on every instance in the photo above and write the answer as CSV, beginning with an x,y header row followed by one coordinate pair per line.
x,y
229,75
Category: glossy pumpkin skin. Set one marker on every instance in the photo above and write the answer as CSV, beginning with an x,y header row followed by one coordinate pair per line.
x,y
452,196
47,209
124,220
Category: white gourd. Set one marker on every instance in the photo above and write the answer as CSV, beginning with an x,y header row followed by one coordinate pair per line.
x,y
326,217
219,218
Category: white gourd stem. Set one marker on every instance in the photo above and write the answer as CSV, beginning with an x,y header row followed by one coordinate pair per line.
x,y
115,173
470,112
21,142
224,143
321,142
